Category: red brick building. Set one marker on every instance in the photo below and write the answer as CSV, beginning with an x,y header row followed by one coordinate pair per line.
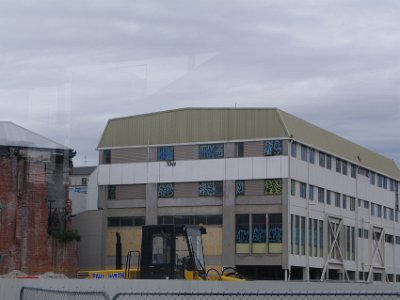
x,y
35,230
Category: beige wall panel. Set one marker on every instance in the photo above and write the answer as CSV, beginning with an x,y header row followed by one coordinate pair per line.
x,y
131,239
253,188
186,190
130,192
213,241
186,152
129,155
252,149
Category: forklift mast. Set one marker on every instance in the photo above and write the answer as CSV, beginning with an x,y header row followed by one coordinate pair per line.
x,y
170,250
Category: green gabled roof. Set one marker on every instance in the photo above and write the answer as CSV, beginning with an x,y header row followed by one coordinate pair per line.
x,y
194,125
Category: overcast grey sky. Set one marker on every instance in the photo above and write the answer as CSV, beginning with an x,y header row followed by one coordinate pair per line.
x,y
66,67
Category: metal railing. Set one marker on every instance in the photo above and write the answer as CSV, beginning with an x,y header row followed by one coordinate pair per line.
x,y
28,293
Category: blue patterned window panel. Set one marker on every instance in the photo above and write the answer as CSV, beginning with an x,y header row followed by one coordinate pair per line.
x,y
210,189
211,151
165,153
272,148
239,188
166,190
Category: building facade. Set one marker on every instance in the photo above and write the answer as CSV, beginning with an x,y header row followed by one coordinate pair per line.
x,y
280,197
34,204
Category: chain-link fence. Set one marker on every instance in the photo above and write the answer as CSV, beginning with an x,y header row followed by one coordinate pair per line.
x,y
28,293
260,296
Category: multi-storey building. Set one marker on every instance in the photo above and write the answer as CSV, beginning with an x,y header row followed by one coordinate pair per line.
x,y
280,197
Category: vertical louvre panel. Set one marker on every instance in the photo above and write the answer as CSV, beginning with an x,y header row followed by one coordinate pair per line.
x,y
254,188
130,192
186,190
254,149
186,152
129,155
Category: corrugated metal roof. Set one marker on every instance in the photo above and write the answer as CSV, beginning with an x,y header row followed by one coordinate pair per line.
x,y
193,125
14,135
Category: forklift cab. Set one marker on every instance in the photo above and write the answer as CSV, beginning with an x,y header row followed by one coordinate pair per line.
x,y
168,251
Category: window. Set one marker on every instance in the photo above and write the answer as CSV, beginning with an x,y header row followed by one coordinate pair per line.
x,y
165,153
366,233
84,181
273,187
242,236
293,149
337,199
192,220
372,178
391,214
111,192
344,167
311,192
384,185
258,233
352,203
322,158
239,149
366,204
321,194
344,201
312,156
353,171
328,197
303,190
272,148
338,165
211,151
211,189
379,214
125,221
380,180
293,187
385,212
389,238
397,240
239,187
304,152
106,156
165,190
303,235
328,162
373,209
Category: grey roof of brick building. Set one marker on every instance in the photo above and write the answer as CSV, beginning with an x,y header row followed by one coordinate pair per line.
x,y
14,135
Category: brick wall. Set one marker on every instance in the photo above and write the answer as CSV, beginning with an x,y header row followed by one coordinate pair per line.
x,y
24,241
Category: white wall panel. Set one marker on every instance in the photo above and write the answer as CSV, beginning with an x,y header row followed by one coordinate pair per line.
x,y
259,167
116,174
104,175
194,170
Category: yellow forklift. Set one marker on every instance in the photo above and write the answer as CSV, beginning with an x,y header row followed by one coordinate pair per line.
x,y
167,252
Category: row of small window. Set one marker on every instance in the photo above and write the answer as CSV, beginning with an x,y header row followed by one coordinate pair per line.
x,y
211,151
272,187
340,200
376,210
192,220
389,238
128,221
315,236
325,161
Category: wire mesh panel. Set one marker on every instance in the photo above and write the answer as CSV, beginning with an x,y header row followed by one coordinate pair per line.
x,y
260,295
28,293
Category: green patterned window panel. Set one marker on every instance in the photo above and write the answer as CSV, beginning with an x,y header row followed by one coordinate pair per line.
x,y
273,187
